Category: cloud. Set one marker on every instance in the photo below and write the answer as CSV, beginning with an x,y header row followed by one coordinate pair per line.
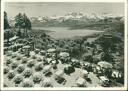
x,y
62,8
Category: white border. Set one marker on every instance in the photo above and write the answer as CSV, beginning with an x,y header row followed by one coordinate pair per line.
x,y
64,0
65,88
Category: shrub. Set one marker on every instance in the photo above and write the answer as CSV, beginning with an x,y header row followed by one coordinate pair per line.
x,y
18,79
39,66
27,83
20,68
27,72
11,74
31,63
37,78
14,65
6,70
24,60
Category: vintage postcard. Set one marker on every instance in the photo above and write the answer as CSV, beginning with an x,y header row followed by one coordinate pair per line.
x,y
64,45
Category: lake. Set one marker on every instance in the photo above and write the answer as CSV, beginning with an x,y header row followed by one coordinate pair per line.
x,y
64,32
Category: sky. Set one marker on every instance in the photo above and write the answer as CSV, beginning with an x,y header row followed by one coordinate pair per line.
x,y
35,9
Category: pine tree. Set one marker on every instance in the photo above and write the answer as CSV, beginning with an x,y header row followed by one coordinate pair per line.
x,y
26,25
19,23
7,33
6,24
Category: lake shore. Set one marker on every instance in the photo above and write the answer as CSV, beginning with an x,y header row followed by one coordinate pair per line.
x,y
65,32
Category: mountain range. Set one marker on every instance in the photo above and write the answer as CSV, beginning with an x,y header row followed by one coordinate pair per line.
x,y
70,19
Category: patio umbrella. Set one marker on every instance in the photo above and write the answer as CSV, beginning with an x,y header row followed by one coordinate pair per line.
x,y
48,67
51,50
105,64
69,69
116,74
54,62
42,52
49,60
46,82
26,47
84,72
20,44
64,54
86,63
59,73
103,78
14,38
67,66
80,81
74,60
27,83
61,49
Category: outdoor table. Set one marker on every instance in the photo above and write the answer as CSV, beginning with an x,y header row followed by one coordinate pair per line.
x,y
84,73
47,82
46,69
81,82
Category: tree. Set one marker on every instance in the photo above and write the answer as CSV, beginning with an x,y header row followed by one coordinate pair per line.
x,y
108,42
6,24
19,23
29,25
87,57
22,21
26,24
7,33
80,42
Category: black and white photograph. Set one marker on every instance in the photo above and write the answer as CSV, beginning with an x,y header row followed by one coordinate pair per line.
x,y
63,44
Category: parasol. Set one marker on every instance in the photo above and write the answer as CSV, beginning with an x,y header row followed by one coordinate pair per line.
x,y
80,81
64,54
26,47
86,63
51,50
84,72
59,73
46,82
48,67
103,78
74,60
105,64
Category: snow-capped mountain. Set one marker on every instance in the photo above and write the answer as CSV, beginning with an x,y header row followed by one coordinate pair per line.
x,y
68,19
